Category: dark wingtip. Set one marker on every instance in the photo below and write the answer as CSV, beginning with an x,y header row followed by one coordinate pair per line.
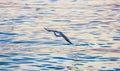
x,y
71,43
46,29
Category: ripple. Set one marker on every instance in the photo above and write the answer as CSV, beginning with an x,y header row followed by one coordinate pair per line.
x,y
106,46
84,58
100,10
23,59
113,59
48,12
43,54
79,64
117,69
53,1
10,34
55,43
43,59
84,44
62,21
4,70
3,55
24,42
96,35
46,65
109,59
13,67
61,58
118,31
5,41
106,70
20,20
117,38
56,67
5,63
73,0
90,58
44,69
12,54
15,20
24,62
37,65
95,21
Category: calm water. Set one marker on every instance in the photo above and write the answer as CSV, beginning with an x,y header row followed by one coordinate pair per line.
x,y
93,26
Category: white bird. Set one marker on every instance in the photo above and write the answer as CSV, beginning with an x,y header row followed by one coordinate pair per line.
x,y
59,34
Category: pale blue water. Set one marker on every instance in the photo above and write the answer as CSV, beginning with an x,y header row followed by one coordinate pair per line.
x,y
26,46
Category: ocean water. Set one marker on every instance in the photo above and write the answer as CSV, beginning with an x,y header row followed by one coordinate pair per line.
x,y
93,26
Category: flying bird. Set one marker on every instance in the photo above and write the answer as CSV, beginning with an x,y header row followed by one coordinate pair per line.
x,y
59,34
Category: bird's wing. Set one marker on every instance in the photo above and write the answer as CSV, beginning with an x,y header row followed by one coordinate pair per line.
x,y
49,30
65,37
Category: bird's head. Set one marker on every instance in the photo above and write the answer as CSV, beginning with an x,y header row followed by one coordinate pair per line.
x,y
46,29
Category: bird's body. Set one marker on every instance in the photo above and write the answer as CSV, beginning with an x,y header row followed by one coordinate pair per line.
x,y
59,34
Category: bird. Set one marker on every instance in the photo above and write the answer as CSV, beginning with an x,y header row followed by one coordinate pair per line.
x,y
59,34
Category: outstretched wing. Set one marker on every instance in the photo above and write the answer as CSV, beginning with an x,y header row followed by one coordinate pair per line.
x,y
56,33
49,30
65,37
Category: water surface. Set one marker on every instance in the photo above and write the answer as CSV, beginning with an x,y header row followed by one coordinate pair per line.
x,y
93,26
